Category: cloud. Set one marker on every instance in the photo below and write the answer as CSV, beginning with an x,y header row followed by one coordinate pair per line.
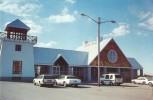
x,y
147,22
64,17
144,15
15,7
35,28
75,12
119,31
142,34
71,1
46,45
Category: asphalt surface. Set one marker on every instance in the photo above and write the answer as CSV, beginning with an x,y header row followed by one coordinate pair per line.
x,y
88,91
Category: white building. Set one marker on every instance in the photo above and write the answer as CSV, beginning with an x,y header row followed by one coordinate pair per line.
x,y
20,60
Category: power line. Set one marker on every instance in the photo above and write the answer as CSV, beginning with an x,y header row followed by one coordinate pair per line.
x,y
140,29
137,28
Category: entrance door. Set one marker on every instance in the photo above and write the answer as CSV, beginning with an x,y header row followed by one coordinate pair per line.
x,y
61,66
94,74
56,70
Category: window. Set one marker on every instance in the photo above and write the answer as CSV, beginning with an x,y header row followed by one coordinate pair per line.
x,y
17,36
62,77
48,77
118,76
17,47
111,77
112,56
17,67
107,76
102,76
71,77
56,70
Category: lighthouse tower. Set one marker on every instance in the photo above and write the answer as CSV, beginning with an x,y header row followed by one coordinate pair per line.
x,y
16,52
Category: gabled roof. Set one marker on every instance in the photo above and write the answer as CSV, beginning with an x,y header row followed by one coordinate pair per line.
x,y
93,49
17,24
134,63
47,56
58,57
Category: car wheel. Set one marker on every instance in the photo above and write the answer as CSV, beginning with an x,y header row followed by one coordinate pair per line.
x,y
40,84
144,83
134,82
111,83
55,84
76,85
64,84
34,82
102,83
150,84
118,84
51,85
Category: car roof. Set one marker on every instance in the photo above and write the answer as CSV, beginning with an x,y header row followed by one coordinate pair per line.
x,y
46,75
111,74
67,75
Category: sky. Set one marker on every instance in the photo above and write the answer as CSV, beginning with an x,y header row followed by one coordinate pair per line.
x,y
59,24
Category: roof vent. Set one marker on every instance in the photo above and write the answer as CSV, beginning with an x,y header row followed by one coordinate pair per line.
x,y
85,42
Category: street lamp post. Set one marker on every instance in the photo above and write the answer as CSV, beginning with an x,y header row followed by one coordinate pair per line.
x,y
98,22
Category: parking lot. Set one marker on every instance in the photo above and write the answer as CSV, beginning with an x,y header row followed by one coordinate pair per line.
x,y
27,91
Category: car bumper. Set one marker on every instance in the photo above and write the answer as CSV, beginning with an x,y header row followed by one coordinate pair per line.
x,y
74,83
47,83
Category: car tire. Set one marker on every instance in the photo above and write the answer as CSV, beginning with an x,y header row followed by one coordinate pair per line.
x,y
102,83
51,85
64,84
55,84
144,83
40,84
118,84
76,85
150,84
134,82
34,82
111,83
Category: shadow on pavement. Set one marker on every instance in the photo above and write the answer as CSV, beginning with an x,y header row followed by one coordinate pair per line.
x,y
128,86
60,87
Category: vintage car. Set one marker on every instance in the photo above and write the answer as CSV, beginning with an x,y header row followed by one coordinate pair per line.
x,y
66,80
140,80
111,79
44,79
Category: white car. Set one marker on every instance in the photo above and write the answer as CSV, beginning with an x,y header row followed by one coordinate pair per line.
x,y
68,80
150,83
44,79
111,79
140,80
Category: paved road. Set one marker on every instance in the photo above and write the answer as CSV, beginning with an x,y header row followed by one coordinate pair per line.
x,y
27,91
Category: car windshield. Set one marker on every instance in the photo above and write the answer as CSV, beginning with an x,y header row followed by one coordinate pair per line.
x,y
71,77
150,79
118,76
48,77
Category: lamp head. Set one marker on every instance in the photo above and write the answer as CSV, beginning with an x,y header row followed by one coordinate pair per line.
x,y
83,14
113,21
